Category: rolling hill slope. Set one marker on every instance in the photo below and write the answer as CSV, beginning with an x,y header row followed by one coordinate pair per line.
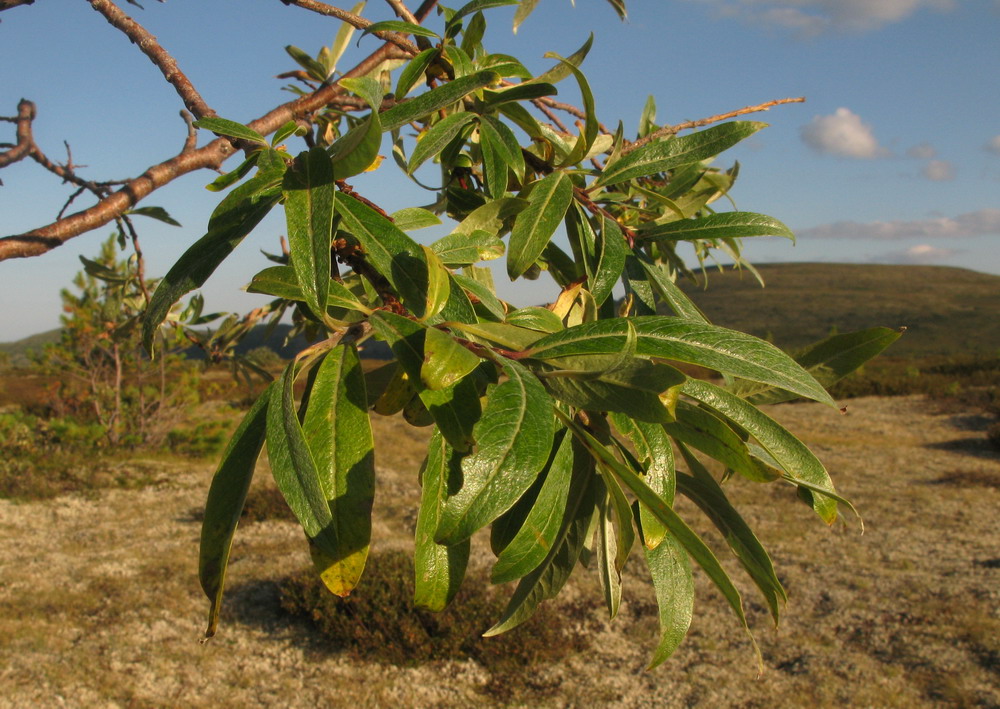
x,y
945,310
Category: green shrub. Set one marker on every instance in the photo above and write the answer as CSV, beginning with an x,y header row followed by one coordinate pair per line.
x,y
379,622
204,440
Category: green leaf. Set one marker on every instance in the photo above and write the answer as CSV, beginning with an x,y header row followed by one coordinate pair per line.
x,y
668,290
357,150
673,586
548,201
222,126
504,143
536,536
412,72
492,217
708,433
611,249
234,218
390,251
717,226
339,435
309,193
509,336
561,70
438,568
294,467
655,454
524,9
517,92
788,451
413,218
590,128
546,580
478,5
455,409
633,389
226,498
286,130
158,213
445,360
281,282
316,70
467,249
513,437
617,537
687,538
436,99
438,284
535,318
399,26
828,360
433,141
486,298
686,341
664,155
705,492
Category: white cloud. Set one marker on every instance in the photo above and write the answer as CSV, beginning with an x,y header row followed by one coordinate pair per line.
x,y
920,254
843,134
985,222
812,17
939,171
993,144
922,151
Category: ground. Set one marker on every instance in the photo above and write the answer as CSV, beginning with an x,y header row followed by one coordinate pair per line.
x,y
100,606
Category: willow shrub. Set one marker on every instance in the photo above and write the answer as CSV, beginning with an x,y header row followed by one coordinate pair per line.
x,y
566,430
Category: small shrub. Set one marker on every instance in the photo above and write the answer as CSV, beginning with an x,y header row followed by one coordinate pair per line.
x,y
379,622
204,440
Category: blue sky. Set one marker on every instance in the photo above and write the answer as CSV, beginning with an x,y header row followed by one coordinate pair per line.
x,y
894,158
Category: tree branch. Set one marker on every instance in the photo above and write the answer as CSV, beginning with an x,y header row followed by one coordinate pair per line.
x,y
402,11
8,4
670,130
355,21
157,54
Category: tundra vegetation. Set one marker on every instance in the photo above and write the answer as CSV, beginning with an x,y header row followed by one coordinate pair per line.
x,y
565,430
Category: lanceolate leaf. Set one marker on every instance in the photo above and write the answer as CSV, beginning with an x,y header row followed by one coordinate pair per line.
x,y
223,126
547,204
673,585
667,154
294,467
828,360
433,141
445,360
438,568
281,282
549,577
535,538
393,254
698,550
655,455
467,249
339,436
436,99
718,226
708,433
702,489
309,197
232,220
787,450
611,249
225,502
671,338
669,291
513,437
412,72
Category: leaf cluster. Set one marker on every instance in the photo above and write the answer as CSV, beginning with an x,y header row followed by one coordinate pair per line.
x,y
566,430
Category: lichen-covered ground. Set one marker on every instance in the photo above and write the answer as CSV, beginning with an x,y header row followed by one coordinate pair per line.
x,y
100,607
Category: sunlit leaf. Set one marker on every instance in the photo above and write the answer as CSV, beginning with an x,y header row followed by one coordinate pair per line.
x,y
548,201
309,194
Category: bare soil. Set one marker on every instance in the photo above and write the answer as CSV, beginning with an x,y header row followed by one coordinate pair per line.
x,y
100,605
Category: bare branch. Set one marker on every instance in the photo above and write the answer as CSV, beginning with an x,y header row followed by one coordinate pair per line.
x,y
355,21
670,130
402,11
8,4
157,54
25,143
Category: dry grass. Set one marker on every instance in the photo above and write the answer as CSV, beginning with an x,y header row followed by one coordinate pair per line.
x,y
99,604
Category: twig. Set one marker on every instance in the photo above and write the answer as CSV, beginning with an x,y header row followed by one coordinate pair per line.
x,y
8,4
157,54
355,21
550,115
670,130
402,11
25,143
191,141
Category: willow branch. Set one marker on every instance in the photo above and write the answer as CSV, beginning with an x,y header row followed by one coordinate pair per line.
x,y
355,21
670,130
157,54
212,156
25,144
8,4
402,11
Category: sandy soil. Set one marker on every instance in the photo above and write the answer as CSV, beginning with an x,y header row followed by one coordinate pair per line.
x,y
99,603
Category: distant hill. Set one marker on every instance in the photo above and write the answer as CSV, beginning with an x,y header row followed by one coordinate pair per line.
x,y
945,310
